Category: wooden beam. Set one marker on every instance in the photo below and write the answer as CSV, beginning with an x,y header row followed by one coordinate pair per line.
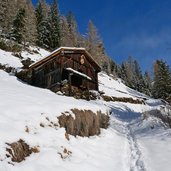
x,y
88,90
69,81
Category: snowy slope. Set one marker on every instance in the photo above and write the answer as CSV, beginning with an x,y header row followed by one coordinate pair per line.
x,y
34,53
132,141
116,88
40,53
6,58
148,138
25,106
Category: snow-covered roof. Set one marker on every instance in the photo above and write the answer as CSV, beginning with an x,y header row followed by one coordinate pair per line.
x,y
79,73
59,50
67,48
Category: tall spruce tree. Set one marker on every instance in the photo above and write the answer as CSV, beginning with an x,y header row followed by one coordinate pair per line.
x,y
72,27
54,26
93,37
8,13
123,73
65,33
42,26
18,27
45,8
147,84
162,81
132,75
39,19
129,72
30,22
95,47
3,12
139,80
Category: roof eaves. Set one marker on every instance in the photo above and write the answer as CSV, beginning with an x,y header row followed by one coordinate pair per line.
x,y
60,49
93,59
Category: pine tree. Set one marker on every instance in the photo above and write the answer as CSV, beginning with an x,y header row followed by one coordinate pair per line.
x,y
123,73
7,15
40,18
45,8
93,37
129,71
162,80
132,75
139,80
72,27
114,68
65,33
8,12
3,12
39,15
42,24
30,22
18,28
147,84
95,47
54,26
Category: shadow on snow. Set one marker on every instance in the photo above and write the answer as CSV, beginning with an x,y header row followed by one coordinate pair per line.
x,y
124,113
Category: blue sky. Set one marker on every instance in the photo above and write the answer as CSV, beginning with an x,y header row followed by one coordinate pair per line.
x,y
140,28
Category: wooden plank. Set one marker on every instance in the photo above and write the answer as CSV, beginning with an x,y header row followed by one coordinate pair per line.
x,y
69,81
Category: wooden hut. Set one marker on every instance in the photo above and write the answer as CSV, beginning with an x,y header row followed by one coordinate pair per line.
x,y
66,64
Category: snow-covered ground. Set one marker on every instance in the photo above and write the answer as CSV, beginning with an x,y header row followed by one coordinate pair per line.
x,y
9,59
149,140
40,53
6,58
116,88
133,142
26,106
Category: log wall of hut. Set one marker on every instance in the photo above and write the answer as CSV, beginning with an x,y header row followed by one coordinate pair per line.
x,y
53,72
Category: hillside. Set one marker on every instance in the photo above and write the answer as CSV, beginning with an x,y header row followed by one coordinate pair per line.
x,y
134,140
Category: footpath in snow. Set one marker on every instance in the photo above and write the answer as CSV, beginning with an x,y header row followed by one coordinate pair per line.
x,y
148,140
124,125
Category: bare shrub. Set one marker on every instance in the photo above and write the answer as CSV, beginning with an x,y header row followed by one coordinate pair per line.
x,y
18,151
86,122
